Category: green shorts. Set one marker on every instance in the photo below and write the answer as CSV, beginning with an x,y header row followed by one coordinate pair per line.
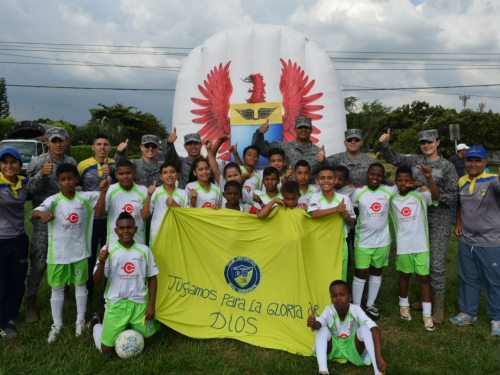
x,y
121,314
344,349
66,274
414,263
378,257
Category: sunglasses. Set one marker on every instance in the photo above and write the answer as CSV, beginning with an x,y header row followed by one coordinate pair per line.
x,y
350,140
424,142
151,145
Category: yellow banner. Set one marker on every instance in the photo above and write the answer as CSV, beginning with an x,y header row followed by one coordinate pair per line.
x,y
227,274
256,113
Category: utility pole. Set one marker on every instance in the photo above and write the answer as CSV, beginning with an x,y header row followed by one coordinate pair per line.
x,y
481,107
464,99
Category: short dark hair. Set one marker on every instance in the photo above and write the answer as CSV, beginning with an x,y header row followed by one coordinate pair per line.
x,y
170,163
233,184
302,163
67,168
251,147
376,165
229,166
100,135
276,151
404,169
325,168
269,171
290,187
124,216
340,282
125,163
342,169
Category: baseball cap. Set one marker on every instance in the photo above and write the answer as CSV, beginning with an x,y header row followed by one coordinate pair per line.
x,y
56,132
303,122
353,133
192,137
150,138
475,152
462,146
11,151
428,135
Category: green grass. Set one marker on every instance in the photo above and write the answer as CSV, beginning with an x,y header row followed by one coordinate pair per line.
x,y
407,347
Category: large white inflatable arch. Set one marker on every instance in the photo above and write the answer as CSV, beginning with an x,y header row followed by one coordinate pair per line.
x,y
240,76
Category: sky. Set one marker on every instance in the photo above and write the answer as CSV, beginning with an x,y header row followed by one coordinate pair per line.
x,y
462,35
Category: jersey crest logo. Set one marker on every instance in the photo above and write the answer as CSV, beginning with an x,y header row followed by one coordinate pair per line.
x,y
207,204
406,211
73,218
376,207
129,267
128,208
242,274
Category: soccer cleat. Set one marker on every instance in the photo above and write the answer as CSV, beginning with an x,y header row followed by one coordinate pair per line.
x,y
429,323
8,333
80,325
404,311
96,319
495,328
53,333
372,312
462,319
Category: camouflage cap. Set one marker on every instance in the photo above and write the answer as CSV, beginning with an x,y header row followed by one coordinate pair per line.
x,y
353,133
150,138
192,137
301,122
428,135
56,132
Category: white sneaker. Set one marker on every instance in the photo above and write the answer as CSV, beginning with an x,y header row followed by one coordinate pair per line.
x,y
404,311
80,325
428,323
53,332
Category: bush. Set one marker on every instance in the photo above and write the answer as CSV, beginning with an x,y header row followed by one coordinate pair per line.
x,y
80,153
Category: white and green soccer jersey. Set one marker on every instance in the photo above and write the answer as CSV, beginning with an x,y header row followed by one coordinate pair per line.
x,y
318,201
304,196
70,232
254,182
372,229
354,319
126,271
246,196
265,198
159,208
206,198
409,215
118,201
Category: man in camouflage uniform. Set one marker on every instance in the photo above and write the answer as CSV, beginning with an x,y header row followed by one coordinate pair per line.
x,y
300,149
353,159
42,184
192,144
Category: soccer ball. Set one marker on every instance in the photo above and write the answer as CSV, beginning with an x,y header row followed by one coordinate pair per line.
x,y
129,344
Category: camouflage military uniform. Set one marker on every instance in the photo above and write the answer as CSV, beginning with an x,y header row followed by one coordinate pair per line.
x,y
145,173
41,188
293,152
357,166
439,218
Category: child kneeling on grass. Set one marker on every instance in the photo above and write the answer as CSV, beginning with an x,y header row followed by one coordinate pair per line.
x,y
129,300
345,332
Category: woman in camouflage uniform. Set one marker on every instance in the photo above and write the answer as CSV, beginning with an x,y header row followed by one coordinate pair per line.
x,y
439,217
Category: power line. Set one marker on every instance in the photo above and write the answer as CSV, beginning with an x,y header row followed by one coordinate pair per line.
x,y
421,88
92,45
164,69
88,88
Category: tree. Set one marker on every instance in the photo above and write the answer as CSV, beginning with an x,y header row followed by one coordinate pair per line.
x,y
4,103
6,124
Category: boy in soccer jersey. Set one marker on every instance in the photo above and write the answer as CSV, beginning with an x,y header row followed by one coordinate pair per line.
x,y
250,161
70,216
329,202
270,181
342,181
409,214
126,265
232,196
345,333
126,196
302,174
161,198
290,199
373,240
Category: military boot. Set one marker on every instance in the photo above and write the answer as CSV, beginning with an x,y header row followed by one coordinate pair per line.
x,y
438,309
31,315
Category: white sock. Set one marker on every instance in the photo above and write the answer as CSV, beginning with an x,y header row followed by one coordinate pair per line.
x,y
357,290
323,335
373,288
97,333
365,335
56,304
426,308
403,302
81,301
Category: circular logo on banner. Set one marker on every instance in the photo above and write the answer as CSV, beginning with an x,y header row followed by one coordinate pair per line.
x,y
242,274
128,208
376,207
406,211
73,218
129,267
207,204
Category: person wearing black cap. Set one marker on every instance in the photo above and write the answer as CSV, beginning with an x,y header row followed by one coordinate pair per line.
x,y
439,217
42,184
14,243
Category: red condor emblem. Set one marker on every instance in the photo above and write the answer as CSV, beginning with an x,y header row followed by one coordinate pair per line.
x,y
406,211
376,207
128,208
129,267
73,218
208,204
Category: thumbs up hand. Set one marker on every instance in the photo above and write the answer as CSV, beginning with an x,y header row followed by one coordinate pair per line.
x,y
321,155
122,146
172,137
384,138
105,168
234,148
343,209
312,319
152,189
264,127
289,171
104,254
104,185
47,168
